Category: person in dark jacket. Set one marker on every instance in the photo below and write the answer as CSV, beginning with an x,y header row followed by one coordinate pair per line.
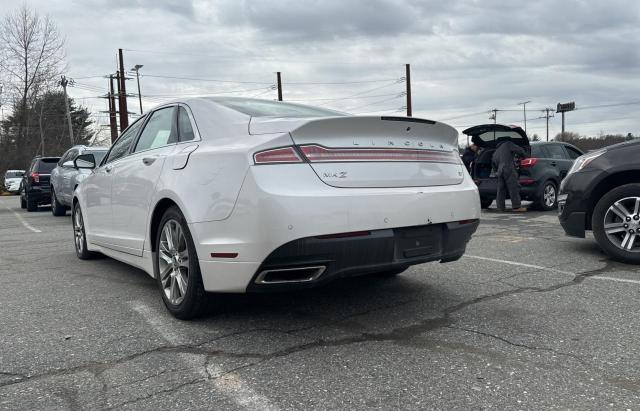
x,y
503,165
469,156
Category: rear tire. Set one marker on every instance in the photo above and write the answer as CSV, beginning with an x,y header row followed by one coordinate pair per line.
x,y
176,267
57,209
485,202
548,197
31,205
612,243
80,235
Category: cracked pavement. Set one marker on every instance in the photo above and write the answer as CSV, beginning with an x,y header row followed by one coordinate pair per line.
x,y
477,333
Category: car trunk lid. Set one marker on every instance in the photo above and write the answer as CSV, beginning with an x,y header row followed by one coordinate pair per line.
x,y
373,151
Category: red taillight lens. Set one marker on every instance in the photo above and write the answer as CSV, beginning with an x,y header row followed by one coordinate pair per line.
x,y
319,154
528,162
527,181
277,156
35,177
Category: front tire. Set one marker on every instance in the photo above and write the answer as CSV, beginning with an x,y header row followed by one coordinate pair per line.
x,y
616,223
176,267
57,209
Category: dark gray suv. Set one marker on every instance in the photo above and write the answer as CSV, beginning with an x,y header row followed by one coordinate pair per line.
x,y
539,174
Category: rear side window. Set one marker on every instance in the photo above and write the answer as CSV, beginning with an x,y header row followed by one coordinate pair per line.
x,y
46,165
538,151
573,153
265,108
68,156
185,131
159,130
556,151
121,147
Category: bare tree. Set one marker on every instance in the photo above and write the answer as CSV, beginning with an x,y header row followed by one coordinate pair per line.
x,y
31,57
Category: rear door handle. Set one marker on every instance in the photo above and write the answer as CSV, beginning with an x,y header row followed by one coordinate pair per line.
x,y
553,163
108,168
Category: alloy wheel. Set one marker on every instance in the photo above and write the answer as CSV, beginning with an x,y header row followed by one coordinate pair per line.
x,y
622,224
173,262
549,195
78,230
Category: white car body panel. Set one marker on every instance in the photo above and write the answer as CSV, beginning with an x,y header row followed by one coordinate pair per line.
x,y
232,205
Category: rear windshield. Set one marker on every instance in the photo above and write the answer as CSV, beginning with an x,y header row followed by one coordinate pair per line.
x,y
13,174
497,135
99,155
265,108
46,165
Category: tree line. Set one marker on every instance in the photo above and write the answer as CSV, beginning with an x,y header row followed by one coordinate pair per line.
x,y
32,60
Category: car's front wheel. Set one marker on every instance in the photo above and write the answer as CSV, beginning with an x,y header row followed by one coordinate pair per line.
x,y
80,234
616,223
57,209
176,267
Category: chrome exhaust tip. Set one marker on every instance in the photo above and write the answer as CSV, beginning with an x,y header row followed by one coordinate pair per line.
x,y
290,275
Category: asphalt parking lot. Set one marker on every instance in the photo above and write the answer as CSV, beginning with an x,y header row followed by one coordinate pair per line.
x,y
529,319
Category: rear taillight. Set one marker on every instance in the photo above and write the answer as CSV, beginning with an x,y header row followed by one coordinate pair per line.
x,y
35,177
319,154
528,162
282,155
527,181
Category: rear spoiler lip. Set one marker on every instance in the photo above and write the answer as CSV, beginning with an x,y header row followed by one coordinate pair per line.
x,y
408,119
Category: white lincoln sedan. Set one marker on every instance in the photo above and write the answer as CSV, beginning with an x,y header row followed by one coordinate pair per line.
x,y
241,195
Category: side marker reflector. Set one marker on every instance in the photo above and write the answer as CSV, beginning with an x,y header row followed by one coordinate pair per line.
x,y
224,255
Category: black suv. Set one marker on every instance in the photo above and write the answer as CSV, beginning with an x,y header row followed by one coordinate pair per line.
x,y
539,174
35,188
602,194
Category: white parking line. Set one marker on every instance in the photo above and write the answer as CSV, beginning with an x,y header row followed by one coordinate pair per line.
x,y
24,223
229,384
553,270
619,280
536,267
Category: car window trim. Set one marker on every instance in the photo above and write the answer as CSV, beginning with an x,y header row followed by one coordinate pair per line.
x,y
174,128
104,162
194,126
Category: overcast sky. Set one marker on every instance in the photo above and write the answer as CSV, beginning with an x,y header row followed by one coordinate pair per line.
x,y
467,57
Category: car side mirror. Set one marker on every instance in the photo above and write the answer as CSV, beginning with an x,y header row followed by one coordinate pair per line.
x,y
87,161
68,164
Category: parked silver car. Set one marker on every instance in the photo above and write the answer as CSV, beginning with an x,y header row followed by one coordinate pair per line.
x,y
66,177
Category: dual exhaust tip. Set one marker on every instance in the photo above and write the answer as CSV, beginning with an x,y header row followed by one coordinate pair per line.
x,y
290,275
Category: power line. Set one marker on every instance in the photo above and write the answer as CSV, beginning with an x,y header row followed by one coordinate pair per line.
x,y
376,102
205,79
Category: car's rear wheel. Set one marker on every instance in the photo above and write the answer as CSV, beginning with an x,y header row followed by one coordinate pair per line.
x,y
57,209
176,267
80,235
548,197
31,204
616,223
486,202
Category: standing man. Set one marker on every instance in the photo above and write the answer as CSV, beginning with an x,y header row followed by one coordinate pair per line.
x,y
504,167
469,156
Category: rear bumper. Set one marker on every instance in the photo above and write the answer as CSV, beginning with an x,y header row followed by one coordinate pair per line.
x,y
370,252
39,195
489,188
269,215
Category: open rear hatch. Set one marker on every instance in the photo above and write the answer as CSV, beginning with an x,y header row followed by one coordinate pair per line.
x,y
487,137
369,151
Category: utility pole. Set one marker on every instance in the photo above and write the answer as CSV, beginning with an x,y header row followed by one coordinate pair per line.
x,y
137,68
279,82
546,110
408,80
493,116
124,113
63,83
113,121
524,110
